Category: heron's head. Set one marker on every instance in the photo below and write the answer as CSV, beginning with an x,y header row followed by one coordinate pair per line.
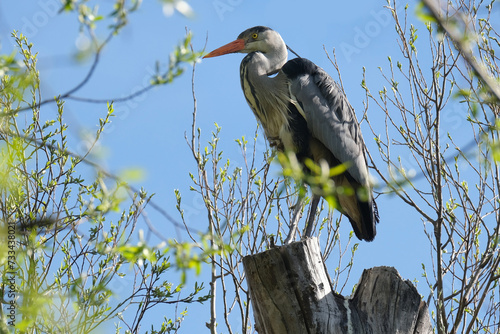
x,y
262,39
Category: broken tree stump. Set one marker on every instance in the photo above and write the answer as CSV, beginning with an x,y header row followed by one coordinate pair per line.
x,y
291,293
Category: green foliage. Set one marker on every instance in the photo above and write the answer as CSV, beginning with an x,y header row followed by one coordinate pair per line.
x,y
249,205
447,172
71,259
317,176
182,53
89,17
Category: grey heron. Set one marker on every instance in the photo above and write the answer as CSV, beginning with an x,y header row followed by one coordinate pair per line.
x,y
303,110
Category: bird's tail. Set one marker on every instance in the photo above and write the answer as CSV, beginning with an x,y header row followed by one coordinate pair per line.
x,y
361,209
366,229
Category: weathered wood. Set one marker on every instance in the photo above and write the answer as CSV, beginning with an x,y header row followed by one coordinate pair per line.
x,y
291,293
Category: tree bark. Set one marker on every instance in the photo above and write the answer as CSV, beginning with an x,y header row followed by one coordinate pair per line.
x,y
291,293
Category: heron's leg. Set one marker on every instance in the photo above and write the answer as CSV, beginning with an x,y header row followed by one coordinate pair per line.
x,y
312,215
295,219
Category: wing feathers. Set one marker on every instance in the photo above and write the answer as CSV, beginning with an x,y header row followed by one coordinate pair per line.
x,y
329,116
331,120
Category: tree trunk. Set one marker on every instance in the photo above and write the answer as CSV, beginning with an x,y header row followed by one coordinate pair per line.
x,y
291,293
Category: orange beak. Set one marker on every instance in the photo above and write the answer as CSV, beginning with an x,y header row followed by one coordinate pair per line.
x,y
232,47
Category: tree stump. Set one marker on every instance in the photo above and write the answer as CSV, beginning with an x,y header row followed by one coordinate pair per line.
x,y
291,293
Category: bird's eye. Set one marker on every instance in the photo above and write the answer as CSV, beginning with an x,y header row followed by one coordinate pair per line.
x,y
254,36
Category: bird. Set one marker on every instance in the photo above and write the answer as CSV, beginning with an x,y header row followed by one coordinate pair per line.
x,y
303,110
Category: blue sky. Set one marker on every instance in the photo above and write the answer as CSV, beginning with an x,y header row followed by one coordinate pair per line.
x,y
148,132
